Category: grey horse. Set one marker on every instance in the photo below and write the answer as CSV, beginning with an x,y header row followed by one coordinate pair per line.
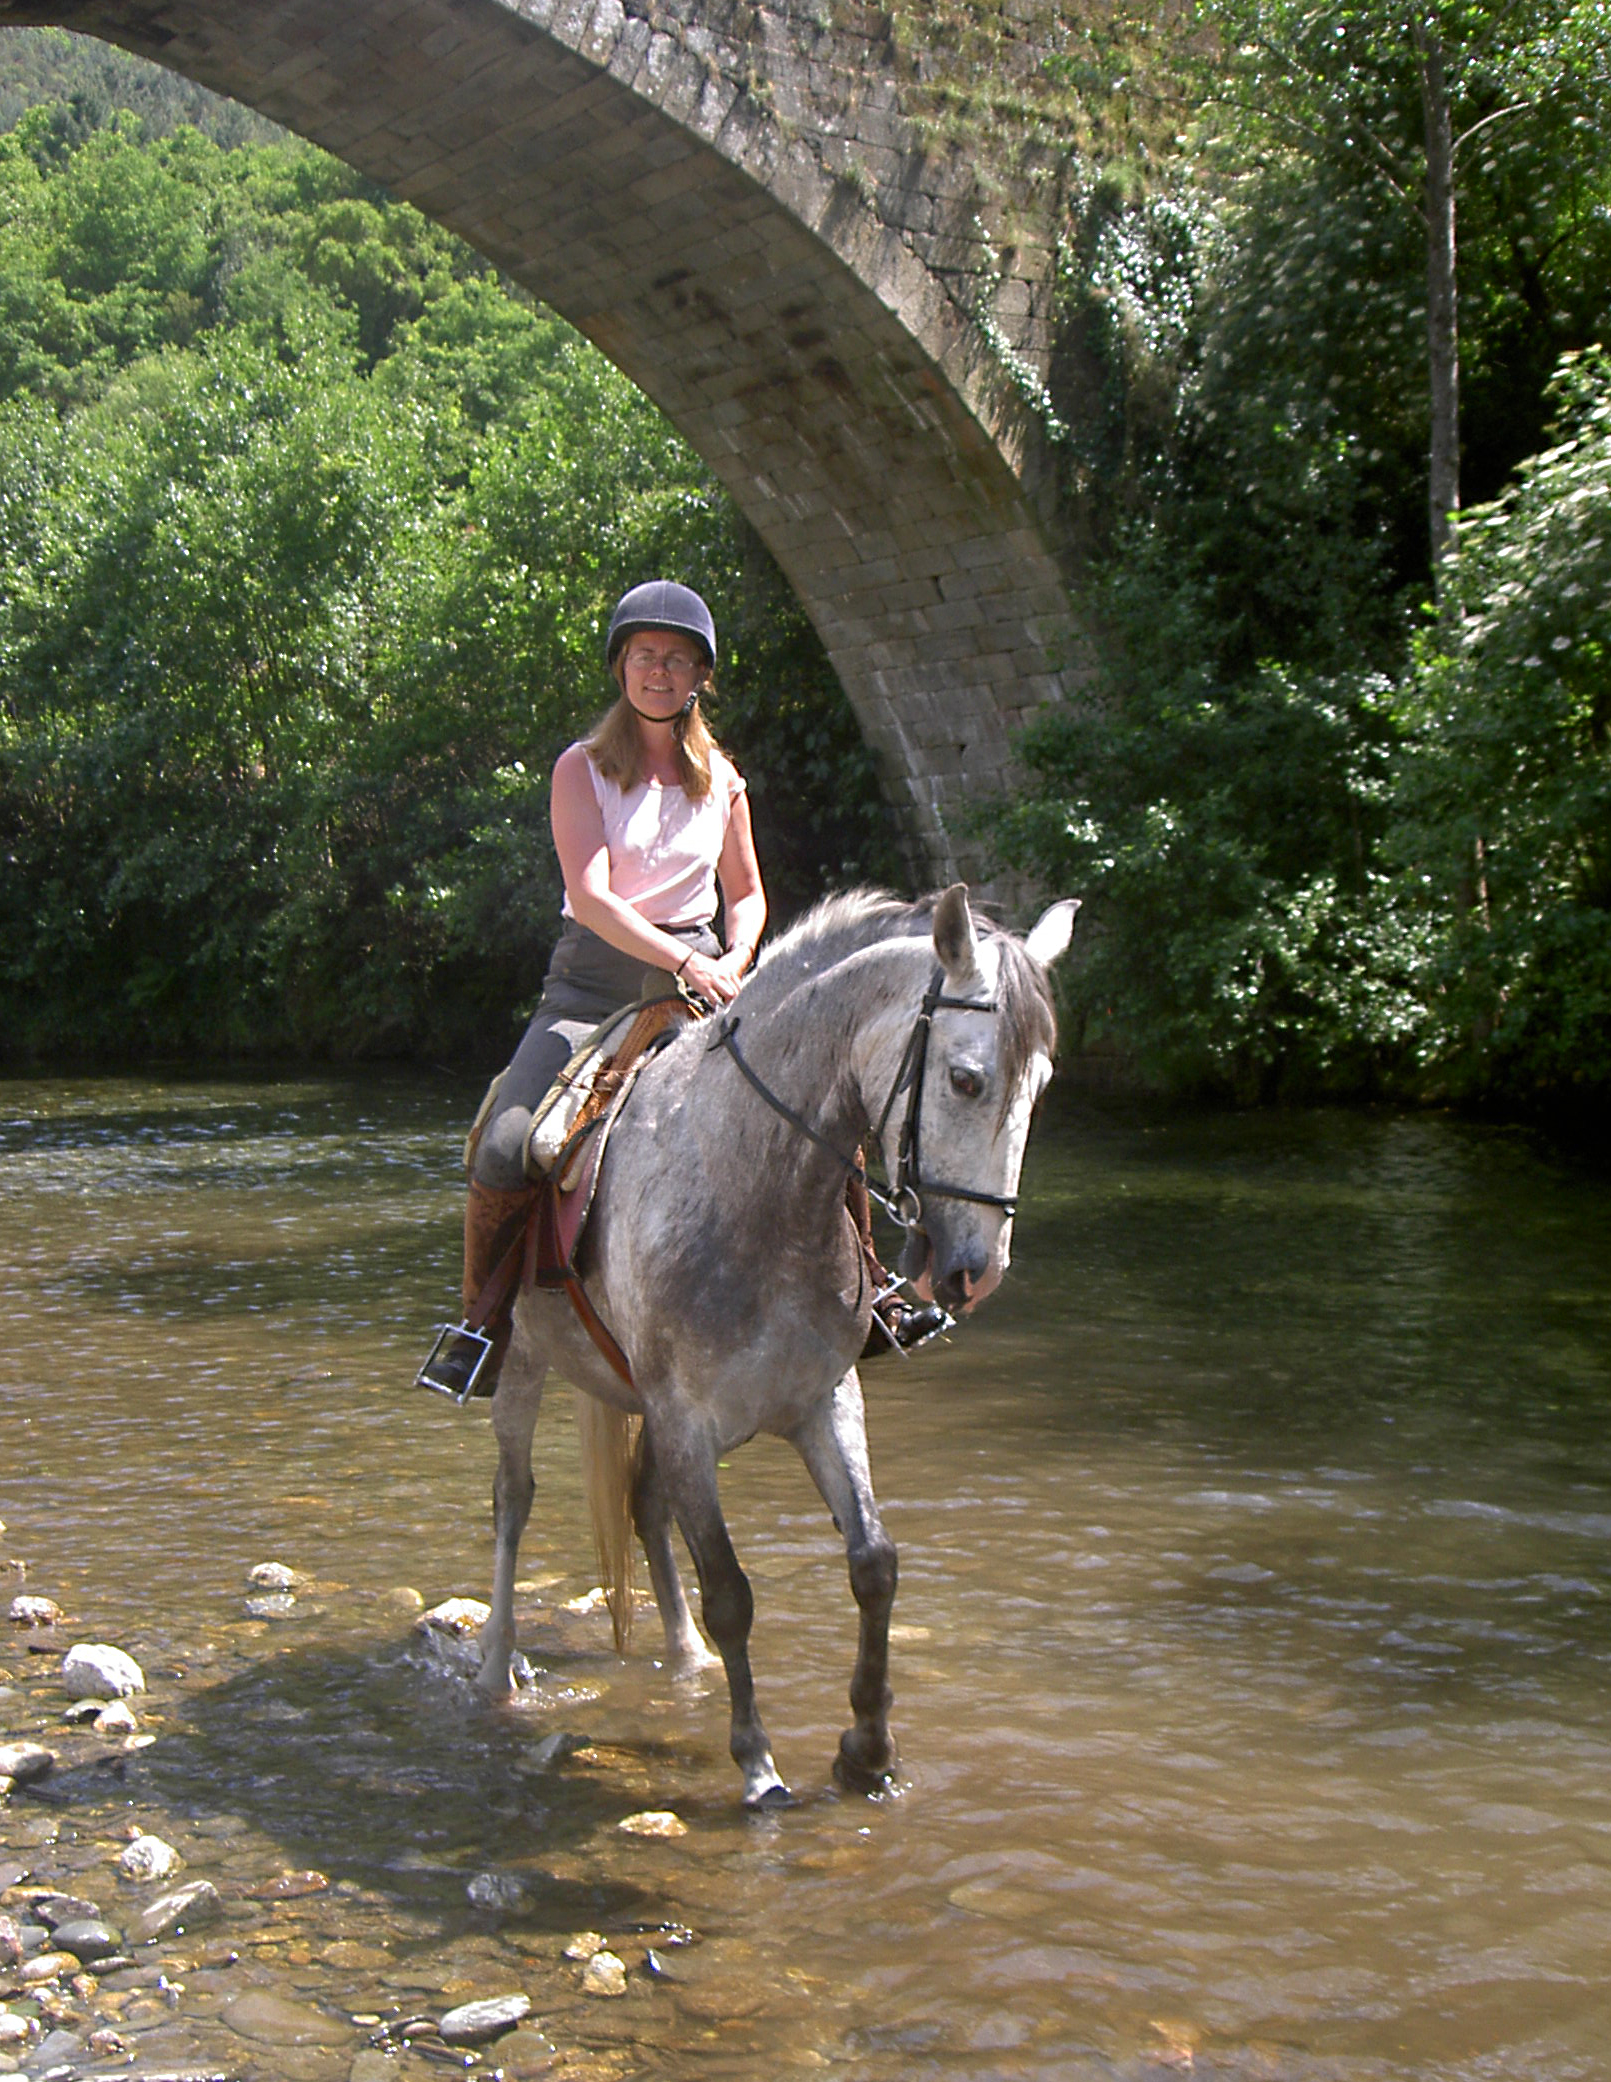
x,y
720,1253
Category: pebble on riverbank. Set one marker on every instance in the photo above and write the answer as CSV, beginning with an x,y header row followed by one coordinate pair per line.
x,y
272,1575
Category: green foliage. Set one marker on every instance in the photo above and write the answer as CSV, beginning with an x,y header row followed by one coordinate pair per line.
x,y
309,531
1506,789
1273,804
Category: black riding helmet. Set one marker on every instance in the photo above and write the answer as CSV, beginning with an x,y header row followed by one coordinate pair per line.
x,y
661,604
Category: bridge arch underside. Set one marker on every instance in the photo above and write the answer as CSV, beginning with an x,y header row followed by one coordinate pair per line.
x,y
798,349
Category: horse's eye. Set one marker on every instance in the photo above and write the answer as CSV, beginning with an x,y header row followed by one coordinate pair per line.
x,y
968,1083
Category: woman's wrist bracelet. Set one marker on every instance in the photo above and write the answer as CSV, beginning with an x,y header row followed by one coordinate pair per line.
x,y
687,958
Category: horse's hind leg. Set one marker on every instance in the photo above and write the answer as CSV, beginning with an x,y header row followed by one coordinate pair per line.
x,y
514,1419
651,1514
687,1468
833,1445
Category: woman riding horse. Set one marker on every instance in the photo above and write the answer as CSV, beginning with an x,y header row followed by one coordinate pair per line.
x,y
650,819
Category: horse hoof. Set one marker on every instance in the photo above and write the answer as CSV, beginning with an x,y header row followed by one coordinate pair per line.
x,y
854,1775
772,1801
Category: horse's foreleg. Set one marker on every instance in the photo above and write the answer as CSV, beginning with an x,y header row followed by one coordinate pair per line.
x,y
687,1468
833,1445
651,1514
514,1419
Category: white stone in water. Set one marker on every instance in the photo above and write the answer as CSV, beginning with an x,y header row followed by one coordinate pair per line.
x,y
116,1719
455,1616
586,1944
473,2023
148,1858
654,1821
23,1762
184,1908
34,1612
604,1974
94,1670
272,1575
14,2030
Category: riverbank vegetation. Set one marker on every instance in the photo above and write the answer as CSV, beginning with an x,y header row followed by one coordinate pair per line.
x,y
309,531
1332,369
307,524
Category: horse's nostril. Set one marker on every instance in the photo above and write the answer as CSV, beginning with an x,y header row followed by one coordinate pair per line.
x,y
952,1291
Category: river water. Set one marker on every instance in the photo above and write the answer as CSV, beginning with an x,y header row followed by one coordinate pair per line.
x,y
1252,1656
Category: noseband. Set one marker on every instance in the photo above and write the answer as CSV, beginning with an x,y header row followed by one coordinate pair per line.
x,y
902,1202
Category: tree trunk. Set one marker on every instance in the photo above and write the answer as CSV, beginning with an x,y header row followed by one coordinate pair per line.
x,y
1442,307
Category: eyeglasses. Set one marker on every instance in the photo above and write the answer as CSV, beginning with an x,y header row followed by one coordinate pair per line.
x,y
679,662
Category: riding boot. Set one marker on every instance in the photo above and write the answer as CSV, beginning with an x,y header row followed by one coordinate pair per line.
x,y
493,1219
898,1321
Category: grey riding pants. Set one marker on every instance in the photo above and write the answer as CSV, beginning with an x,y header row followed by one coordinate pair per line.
x,y
587,980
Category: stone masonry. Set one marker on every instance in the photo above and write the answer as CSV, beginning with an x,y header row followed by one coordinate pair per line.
x,y
728,201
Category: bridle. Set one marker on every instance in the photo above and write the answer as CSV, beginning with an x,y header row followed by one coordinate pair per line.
x,y
902,1201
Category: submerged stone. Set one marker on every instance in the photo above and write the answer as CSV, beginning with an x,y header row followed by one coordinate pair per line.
x,y
148,1858
25,1761
275,2020
184,1908
604,1974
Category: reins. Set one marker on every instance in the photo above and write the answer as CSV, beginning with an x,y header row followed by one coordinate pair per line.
x,y
901,1202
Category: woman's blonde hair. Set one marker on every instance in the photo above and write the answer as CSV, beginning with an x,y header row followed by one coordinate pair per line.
x,y
615,748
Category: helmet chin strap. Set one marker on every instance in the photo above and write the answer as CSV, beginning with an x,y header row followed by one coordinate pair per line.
x,y
687,708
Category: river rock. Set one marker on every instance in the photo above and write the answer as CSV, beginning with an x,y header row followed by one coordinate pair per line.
x,y
45,1966
10,1941
57,2049
34,1612
288,1886
95,1670
275,2020
107,2044
183,1909
15,2030
654,1821
499,1892
272,1575
473,2023
51,1909
148,1858
86,1939
115,1719
456,1616
274,1604
586,1944
23,1762
604,1974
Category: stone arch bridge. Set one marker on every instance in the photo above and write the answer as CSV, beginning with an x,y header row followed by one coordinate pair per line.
x,y
726,199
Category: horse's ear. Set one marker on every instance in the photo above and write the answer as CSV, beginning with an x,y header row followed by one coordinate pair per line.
x,y
955,941
1049,936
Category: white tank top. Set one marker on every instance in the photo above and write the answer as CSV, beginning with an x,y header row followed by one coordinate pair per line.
x,y
664,847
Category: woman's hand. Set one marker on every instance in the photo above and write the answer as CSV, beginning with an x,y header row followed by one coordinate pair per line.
x,y
714,980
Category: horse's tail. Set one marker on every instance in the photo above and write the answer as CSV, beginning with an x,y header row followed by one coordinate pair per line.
x,y
609,1441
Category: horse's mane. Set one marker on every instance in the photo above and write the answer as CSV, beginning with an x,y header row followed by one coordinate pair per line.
x,y
853,919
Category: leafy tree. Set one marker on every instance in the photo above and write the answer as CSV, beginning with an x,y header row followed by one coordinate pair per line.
x,y
1506,792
